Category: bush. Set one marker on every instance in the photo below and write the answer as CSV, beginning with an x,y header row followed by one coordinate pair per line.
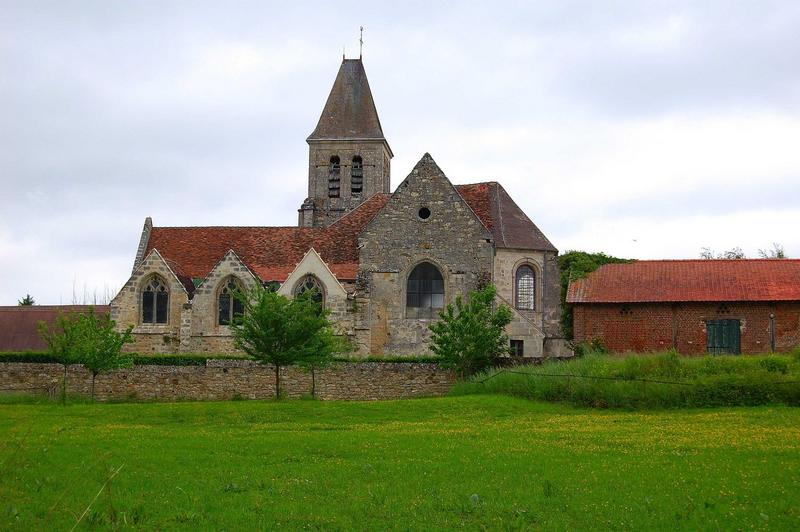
x,y
394,359
188,359
29,356
664,380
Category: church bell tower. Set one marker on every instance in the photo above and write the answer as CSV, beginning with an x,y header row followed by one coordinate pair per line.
x,y
348,156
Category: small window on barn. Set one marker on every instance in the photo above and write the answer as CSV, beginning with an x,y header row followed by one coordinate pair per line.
x,y
357,176
525,288
155,301
517,348
311,284
625,311
424,291
228,306
334,177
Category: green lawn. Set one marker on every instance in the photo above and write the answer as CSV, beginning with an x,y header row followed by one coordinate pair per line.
x,y
475,461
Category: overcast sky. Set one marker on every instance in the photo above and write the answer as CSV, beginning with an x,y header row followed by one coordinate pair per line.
x,y
642,129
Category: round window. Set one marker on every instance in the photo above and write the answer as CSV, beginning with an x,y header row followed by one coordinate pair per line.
x,y
424,213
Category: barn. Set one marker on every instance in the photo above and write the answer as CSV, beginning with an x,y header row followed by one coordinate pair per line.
x,y
693,306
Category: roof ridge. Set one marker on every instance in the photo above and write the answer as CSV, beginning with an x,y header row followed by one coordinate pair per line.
x,y
478,183
233,227
708,261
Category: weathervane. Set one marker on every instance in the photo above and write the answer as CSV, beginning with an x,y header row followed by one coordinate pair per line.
x,y
360,42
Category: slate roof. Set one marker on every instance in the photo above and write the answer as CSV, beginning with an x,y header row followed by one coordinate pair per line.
x,y
690,280
350,110
19,324
509,225
273,252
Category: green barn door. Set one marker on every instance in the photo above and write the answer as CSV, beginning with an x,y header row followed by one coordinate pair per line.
x,y
723,337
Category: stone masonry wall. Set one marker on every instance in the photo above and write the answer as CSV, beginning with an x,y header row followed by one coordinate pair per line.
x,y
452,238
206,334
126,310
229,379
376,167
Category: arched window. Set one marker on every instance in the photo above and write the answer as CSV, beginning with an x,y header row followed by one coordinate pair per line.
x,y
334,171
228,306
311,283
155,301
357,176
424,292
525,288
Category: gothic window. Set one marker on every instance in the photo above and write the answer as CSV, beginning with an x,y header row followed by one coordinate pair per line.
x,y
525,288
424,292
155,301
311,283
228,306
334,174
356,176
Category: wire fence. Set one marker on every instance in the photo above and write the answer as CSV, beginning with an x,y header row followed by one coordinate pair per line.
x,y
604,378
50,391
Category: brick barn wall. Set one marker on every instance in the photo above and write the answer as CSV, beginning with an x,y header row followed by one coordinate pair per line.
x,y
659,326
227,379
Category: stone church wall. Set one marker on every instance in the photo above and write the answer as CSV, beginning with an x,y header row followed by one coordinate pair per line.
x,y
229,379
376,170
205,334
397,239
126,309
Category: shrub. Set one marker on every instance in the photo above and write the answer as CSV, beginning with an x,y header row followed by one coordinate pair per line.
x,y
663,380
469,337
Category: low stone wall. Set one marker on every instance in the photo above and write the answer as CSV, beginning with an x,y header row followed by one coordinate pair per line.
x,y
229,379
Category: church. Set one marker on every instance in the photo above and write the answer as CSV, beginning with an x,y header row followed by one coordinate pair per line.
x,y
383,262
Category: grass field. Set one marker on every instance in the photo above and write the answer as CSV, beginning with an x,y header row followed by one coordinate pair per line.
x,y
474,461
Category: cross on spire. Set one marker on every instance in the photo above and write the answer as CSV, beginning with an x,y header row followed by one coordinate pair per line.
x,y
360,41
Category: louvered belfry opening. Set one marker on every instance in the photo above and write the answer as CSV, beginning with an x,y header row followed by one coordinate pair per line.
x,y
334,177
357,176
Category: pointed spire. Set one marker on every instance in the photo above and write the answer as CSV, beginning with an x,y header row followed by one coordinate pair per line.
x,y
350,110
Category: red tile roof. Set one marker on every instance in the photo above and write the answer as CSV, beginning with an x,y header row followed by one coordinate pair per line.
x,y
273,252
690,280
270,252
19,325
509,225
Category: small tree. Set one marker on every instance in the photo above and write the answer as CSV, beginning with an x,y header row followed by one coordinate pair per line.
x,y
470,336
777,252
26,301
64,343
88,339
102,344
731,254
282,331
320,355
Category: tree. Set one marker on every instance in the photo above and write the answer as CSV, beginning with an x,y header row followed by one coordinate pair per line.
x,y
282,331
26,301
776,252
321,356
88,339
101,346
63,343
732,254
575,265
470,335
